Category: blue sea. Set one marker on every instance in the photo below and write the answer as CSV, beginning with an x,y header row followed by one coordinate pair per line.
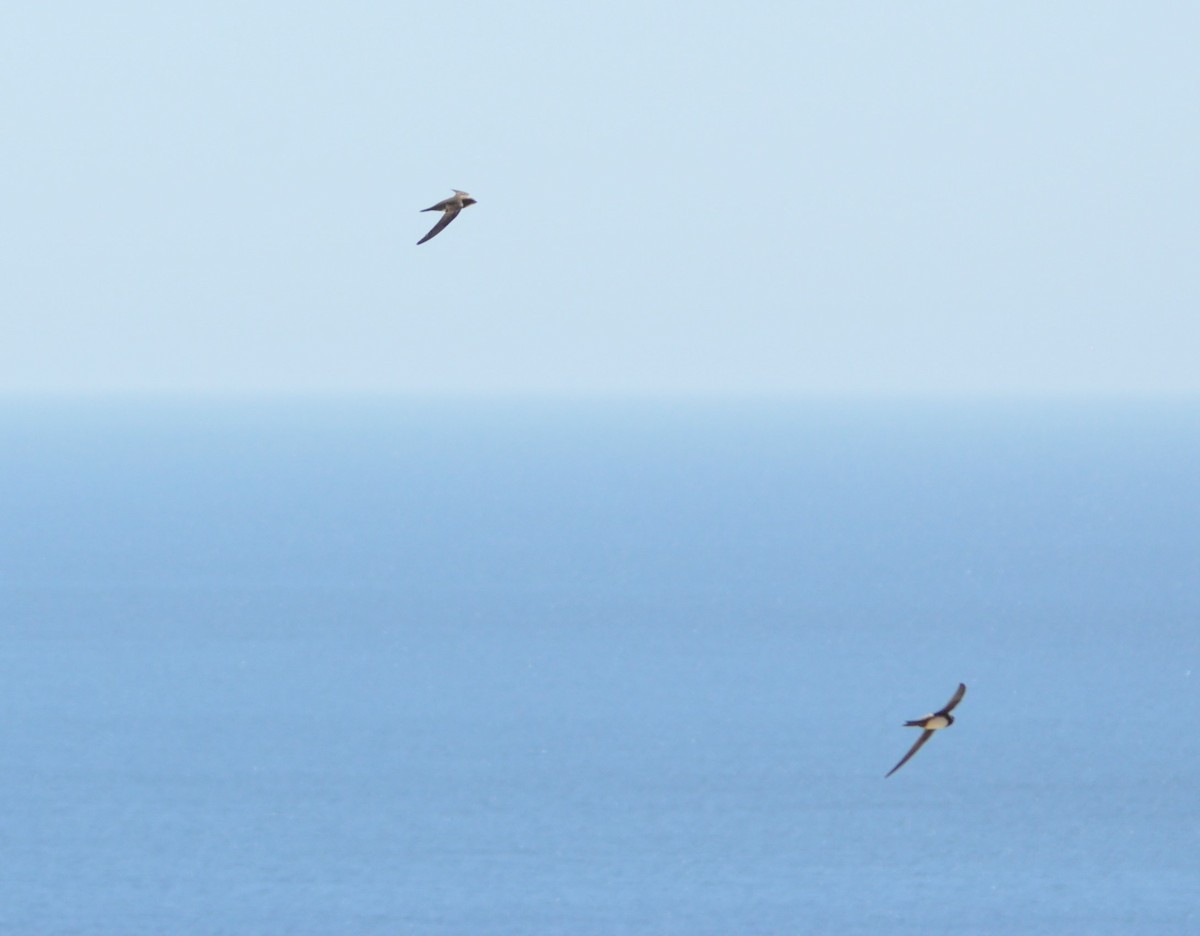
x,y
413,667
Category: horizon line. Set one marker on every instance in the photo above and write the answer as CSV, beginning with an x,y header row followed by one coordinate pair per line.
x,y
680,396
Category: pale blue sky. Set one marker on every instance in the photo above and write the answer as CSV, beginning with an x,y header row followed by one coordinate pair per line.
x,y
719,198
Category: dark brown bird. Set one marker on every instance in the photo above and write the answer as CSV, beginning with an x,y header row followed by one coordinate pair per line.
x,y
450,209
931,723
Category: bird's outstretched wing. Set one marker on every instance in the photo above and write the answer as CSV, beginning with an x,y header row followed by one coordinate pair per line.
x,y
450,215
949,706
925,735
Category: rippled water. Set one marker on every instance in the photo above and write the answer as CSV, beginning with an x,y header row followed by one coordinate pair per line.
x,y
598,669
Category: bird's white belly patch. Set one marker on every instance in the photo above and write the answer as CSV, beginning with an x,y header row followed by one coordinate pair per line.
x,y
938,721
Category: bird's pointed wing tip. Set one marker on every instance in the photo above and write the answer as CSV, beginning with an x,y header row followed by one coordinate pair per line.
x,y
925,736
954,699
449,215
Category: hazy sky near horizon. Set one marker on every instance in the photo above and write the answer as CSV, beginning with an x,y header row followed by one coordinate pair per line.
x,y
716,198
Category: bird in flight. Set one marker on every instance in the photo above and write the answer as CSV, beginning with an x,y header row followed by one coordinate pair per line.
x,y
449,209
931,723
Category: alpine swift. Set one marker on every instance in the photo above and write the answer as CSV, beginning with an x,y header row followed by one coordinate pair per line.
x,y
931,723
449,209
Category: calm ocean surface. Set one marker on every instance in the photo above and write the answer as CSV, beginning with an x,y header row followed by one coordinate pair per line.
x,y
598,669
